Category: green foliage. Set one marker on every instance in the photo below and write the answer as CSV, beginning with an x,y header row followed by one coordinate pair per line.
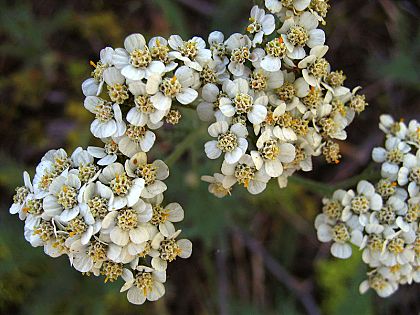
x,y
28,35
175,16
339,280
403,65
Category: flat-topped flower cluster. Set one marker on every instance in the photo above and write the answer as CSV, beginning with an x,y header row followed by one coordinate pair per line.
x,y
381,219
110,221
271,99
270,94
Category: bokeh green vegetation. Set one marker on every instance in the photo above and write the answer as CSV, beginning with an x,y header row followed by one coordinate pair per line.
x,y
252,255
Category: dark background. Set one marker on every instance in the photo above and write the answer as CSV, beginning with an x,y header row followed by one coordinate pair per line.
x,y
252,255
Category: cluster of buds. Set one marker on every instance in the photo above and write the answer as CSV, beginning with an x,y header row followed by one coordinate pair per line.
x,y
110,221
381,219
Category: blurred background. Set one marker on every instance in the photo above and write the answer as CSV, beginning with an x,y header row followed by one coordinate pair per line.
x,y
252,255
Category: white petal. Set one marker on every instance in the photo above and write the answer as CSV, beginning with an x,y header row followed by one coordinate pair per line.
x,y
342,251
187,96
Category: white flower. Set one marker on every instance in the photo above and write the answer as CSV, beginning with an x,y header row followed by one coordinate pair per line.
x,y
372,249
136,139
52,164
391,127
334,125
166,249
240,101
217,46
145,283
208,108
272,153
290,93
108,118
409,173
275,6
117,90
270,58
128,225
261,24
397,251
125,189
391,156
413,133
21,196
144,113
84,226
333,208
231,141
108,154
178,87
84,164
88,257
263,80
376,281
357,207
245,173
97,197
45,173
192,52
330,230
135,61
159,50
153,174
214,71
34,212
62,202
307,151
395,273
315,67
300,31
239,48
216,187
93,86
164,216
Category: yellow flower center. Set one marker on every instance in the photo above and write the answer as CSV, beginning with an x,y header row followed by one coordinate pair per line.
x,y
140,58
121,184
227,142
67,197
127,219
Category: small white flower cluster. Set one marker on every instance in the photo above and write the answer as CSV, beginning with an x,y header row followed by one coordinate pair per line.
x,y
270,94
383,219
273,102
272,98
109,221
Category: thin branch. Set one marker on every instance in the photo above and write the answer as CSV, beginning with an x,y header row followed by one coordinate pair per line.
x,y
298,288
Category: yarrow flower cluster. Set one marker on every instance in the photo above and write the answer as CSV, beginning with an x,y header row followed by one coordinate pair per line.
x,y
272,99
109,221
381,219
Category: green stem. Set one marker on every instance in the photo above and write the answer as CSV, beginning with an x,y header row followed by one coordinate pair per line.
x,y
370,174
312,185
182,147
